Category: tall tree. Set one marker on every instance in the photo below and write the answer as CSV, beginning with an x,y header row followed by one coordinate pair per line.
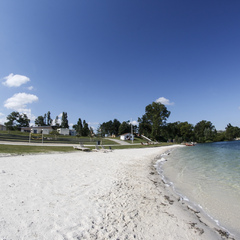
x,y
23,120
79,127
124,128
57,121
115,127
186,131
205,131
85,130
232,132
145,127
49,119
17,120
64,123
156,115
39,121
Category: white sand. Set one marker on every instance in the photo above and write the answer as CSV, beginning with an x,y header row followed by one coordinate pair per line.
x,y
81,195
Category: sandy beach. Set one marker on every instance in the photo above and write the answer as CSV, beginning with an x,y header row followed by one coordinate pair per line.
x,y
93,195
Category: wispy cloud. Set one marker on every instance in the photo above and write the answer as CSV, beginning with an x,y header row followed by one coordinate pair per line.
x,y
15,80
19,101
30,88
164,101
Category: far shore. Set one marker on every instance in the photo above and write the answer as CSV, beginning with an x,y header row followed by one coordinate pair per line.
x,y
94,195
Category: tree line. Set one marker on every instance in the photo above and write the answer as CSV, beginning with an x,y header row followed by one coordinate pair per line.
x,y
153,124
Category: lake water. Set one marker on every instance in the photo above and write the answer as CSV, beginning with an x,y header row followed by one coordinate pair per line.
x,y
208,176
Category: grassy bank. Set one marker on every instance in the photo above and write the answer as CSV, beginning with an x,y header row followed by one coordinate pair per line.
x,y
20,149
23,149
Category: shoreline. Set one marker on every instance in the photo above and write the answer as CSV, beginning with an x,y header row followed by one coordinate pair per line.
x,y
116,195
197,210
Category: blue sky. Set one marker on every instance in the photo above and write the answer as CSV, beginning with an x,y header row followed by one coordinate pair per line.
x,y
100,60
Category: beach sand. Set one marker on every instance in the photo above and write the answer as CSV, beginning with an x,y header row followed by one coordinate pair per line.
x,y
92,195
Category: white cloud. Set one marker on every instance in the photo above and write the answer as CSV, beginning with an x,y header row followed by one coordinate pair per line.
x,y
15,80
19,101
134,122
30,88
164,101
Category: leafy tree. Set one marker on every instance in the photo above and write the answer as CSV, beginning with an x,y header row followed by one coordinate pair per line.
x,y
115,127
205,131
64,123
49,120
57,122
171,131
232,132
17,120
23,120
145,127
85,130
186,131
79,127
124,128
39,121
156,115
11,124
110,127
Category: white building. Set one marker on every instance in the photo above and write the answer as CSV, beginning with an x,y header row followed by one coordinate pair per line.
x,y
2,127
127,136
63,131
37,129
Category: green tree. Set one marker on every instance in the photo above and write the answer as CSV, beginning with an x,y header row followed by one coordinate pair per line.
x,y
17,120
172,131
85,130
79,127
39,121
144,127
232,132
49,119
186,131
11,124
124,128
205,131
156,115
57,122
23,120
64,123
115,127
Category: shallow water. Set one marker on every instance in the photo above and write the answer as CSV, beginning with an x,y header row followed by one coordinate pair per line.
x,y
208,175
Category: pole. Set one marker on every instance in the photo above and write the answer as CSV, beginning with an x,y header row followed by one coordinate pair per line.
x,y
132,131
42,136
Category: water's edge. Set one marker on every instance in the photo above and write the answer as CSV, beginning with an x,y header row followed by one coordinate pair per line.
x,y
203,216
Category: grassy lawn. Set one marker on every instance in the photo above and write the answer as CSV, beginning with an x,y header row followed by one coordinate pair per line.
x,y
20,149
142,146
17,136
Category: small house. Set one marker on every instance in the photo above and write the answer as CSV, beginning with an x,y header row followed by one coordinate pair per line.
x,y
37,129
2,127
127,136
63,131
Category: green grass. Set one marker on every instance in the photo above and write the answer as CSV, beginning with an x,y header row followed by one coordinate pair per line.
x,y
142,146
17,136
20,149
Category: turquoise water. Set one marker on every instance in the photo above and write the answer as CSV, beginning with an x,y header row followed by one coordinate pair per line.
x,y
208,175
